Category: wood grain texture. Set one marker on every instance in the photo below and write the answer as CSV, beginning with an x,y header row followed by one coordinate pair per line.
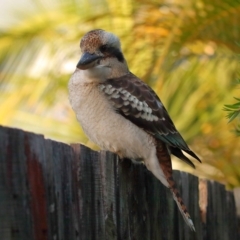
x,y
50,191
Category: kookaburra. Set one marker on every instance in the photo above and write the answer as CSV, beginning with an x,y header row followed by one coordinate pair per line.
x,y
122,114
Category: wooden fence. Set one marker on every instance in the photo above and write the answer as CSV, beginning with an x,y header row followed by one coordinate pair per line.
x,y
50,190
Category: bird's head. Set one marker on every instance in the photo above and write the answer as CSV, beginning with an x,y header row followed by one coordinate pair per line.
x,y
101,49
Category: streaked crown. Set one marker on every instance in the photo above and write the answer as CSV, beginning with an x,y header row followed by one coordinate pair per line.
x,y
97,38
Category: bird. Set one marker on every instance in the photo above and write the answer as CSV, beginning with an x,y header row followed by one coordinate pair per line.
x,y
120,113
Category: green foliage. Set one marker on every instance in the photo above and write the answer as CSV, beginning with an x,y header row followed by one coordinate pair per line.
x,y
234,112
184,49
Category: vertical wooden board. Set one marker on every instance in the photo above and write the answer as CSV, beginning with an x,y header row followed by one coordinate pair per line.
x,y
68,156
211,214
76,195
35,154
223,221
159,209
98,199
194,206
108,174
149,204
138,201
92,217
62,205
124,196
122,207
179,226
5,186
19,186
188,188
232,219
216,212
50,178
82,182
22,225
58,188
15,185
59,177
66,178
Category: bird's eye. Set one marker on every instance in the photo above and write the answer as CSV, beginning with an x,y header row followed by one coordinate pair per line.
x,y
103,48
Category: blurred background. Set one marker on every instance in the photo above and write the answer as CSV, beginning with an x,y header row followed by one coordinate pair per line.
x,y
186,50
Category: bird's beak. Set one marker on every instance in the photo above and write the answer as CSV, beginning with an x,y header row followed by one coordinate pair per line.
x,y
87,60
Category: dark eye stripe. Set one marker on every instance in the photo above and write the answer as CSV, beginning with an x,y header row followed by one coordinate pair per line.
x,y
103,48
112,52
116,53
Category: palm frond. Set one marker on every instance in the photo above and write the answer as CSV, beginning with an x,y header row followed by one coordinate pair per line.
x,y
187,51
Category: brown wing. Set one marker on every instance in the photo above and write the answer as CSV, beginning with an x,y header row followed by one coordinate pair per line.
x,y
137,102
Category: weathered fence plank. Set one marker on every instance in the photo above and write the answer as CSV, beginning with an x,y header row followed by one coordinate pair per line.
x,y
50,190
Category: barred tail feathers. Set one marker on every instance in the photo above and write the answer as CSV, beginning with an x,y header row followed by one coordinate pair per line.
x,y
164,159
182,208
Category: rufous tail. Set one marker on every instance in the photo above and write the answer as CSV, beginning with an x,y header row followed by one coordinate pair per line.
x,y
164,159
